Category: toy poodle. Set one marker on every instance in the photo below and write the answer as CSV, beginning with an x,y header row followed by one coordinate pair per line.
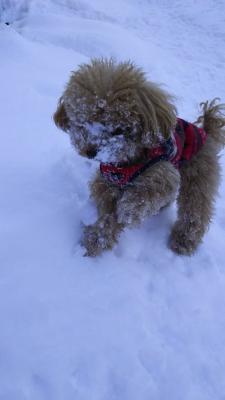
x,y
148,156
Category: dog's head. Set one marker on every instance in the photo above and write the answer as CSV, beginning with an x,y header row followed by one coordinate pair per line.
x,y
112,113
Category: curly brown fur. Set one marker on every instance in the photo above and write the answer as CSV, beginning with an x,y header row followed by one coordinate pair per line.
x,y
104,233
113,113
60,117
213,120
152,190
199,183
117,209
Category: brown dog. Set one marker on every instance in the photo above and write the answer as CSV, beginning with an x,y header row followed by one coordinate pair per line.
x,y
148,156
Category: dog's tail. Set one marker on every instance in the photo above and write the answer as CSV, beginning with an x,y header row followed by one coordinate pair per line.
x,y
212,120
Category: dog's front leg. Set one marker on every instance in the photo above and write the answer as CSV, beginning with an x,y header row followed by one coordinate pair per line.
x,y
153,189
103,234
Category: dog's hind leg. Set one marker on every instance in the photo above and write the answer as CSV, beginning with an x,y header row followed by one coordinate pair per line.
x,y
199,183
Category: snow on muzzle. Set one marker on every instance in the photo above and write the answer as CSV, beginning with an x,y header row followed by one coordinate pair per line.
x,y
104,147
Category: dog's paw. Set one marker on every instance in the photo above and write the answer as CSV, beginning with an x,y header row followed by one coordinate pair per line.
x,y
182,242
93,241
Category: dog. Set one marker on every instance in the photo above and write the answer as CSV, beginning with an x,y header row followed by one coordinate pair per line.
x,y
148,156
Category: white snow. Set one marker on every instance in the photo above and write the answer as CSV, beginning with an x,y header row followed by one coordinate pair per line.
x,y
139,322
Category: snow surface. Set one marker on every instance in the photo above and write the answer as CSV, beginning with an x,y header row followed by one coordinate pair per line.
x,y
139,322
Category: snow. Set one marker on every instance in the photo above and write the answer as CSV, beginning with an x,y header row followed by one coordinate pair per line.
x,y
136,323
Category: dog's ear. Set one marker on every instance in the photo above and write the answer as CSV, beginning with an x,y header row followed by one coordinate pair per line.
x,y
60,116
157,111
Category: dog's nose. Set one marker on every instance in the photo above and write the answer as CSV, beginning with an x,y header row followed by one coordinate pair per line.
x,y
91,152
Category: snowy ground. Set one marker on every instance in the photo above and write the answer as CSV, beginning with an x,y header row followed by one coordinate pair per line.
x,y
138,323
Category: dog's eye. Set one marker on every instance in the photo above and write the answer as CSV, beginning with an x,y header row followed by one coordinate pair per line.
x,y
117,131
122,131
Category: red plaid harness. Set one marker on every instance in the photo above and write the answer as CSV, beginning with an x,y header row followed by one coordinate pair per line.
x,y
186,141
